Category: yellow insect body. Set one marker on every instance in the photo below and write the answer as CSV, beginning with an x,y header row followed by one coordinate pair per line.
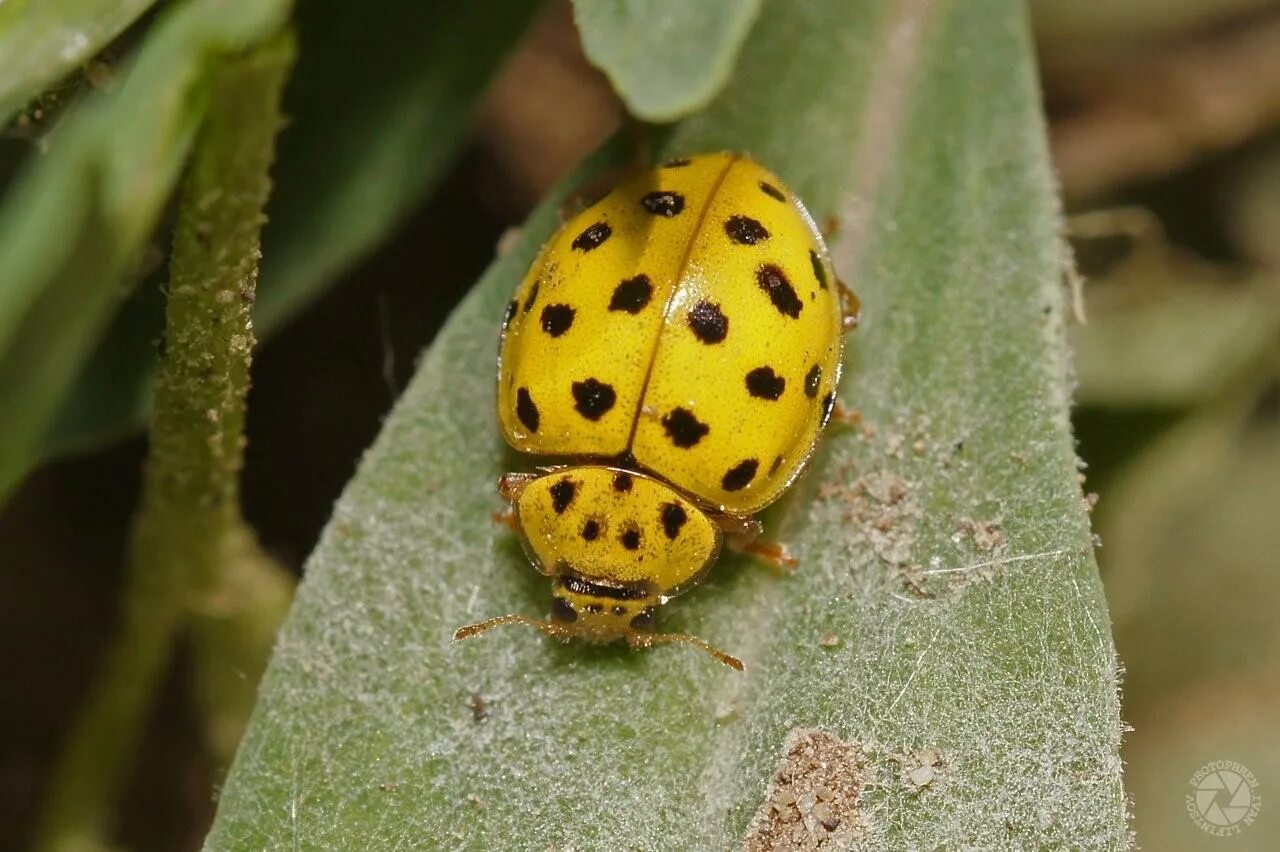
x,y
683,332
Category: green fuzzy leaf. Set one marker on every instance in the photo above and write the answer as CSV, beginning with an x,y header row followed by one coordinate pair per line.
x,y
74,225
946,632
42,41
665,58
351,166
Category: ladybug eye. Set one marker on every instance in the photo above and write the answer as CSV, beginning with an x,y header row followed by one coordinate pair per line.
x,y
562,610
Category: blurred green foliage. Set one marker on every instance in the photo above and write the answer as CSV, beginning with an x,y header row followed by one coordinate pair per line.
x,y
665,59
371,132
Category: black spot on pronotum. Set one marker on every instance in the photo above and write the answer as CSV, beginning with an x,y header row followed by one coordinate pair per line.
x,y
591,530
773,281
619,610
676,164
533,295
708,322
819,271
740,475
562,494
593,398
622,482
811,380
632,294
556,319
593,236
643,620
630,539
507,317
683,428
662,203
526,410
745,230
828,406
562,610
777,463
772,191
673,518
594,608
764,383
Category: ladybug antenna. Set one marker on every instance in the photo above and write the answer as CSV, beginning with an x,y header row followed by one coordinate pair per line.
x,y
551,629
645,640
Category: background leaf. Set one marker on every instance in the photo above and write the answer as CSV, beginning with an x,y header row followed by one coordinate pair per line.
x,y
73,228
664,58
371,132
41,41
1189,527
947,624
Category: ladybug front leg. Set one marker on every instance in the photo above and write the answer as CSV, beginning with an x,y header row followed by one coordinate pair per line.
x,y
509,486
742,535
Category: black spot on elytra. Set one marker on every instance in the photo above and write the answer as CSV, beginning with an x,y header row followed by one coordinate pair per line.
x,y
773,281
777,463
507,317
740,475
745,230
673,518
533,295
622,482
562,610
562,494
630,539
591,530
772,191
593,398
632,294
828,406
819,271
676,164
811,381
593,236
708,322
556,319
643,619
663,203
764,383
526,410
683,428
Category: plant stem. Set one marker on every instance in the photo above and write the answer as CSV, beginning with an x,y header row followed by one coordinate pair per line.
x,y
190,547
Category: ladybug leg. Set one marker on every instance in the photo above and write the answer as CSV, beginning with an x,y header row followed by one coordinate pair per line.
x,y
829,226
742,535
850,307
848,416
507,518
511,484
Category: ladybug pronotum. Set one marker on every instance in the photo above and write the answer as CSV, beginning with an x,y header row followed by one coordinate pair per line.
x,y
675,350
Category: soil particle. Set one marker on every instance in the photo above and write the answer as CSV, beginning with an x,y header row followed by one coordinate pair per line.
x,y
986,535
812,802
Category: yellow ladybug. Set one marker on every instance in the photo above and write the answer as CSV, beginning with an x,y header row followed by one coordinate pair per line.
x,y
675,350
